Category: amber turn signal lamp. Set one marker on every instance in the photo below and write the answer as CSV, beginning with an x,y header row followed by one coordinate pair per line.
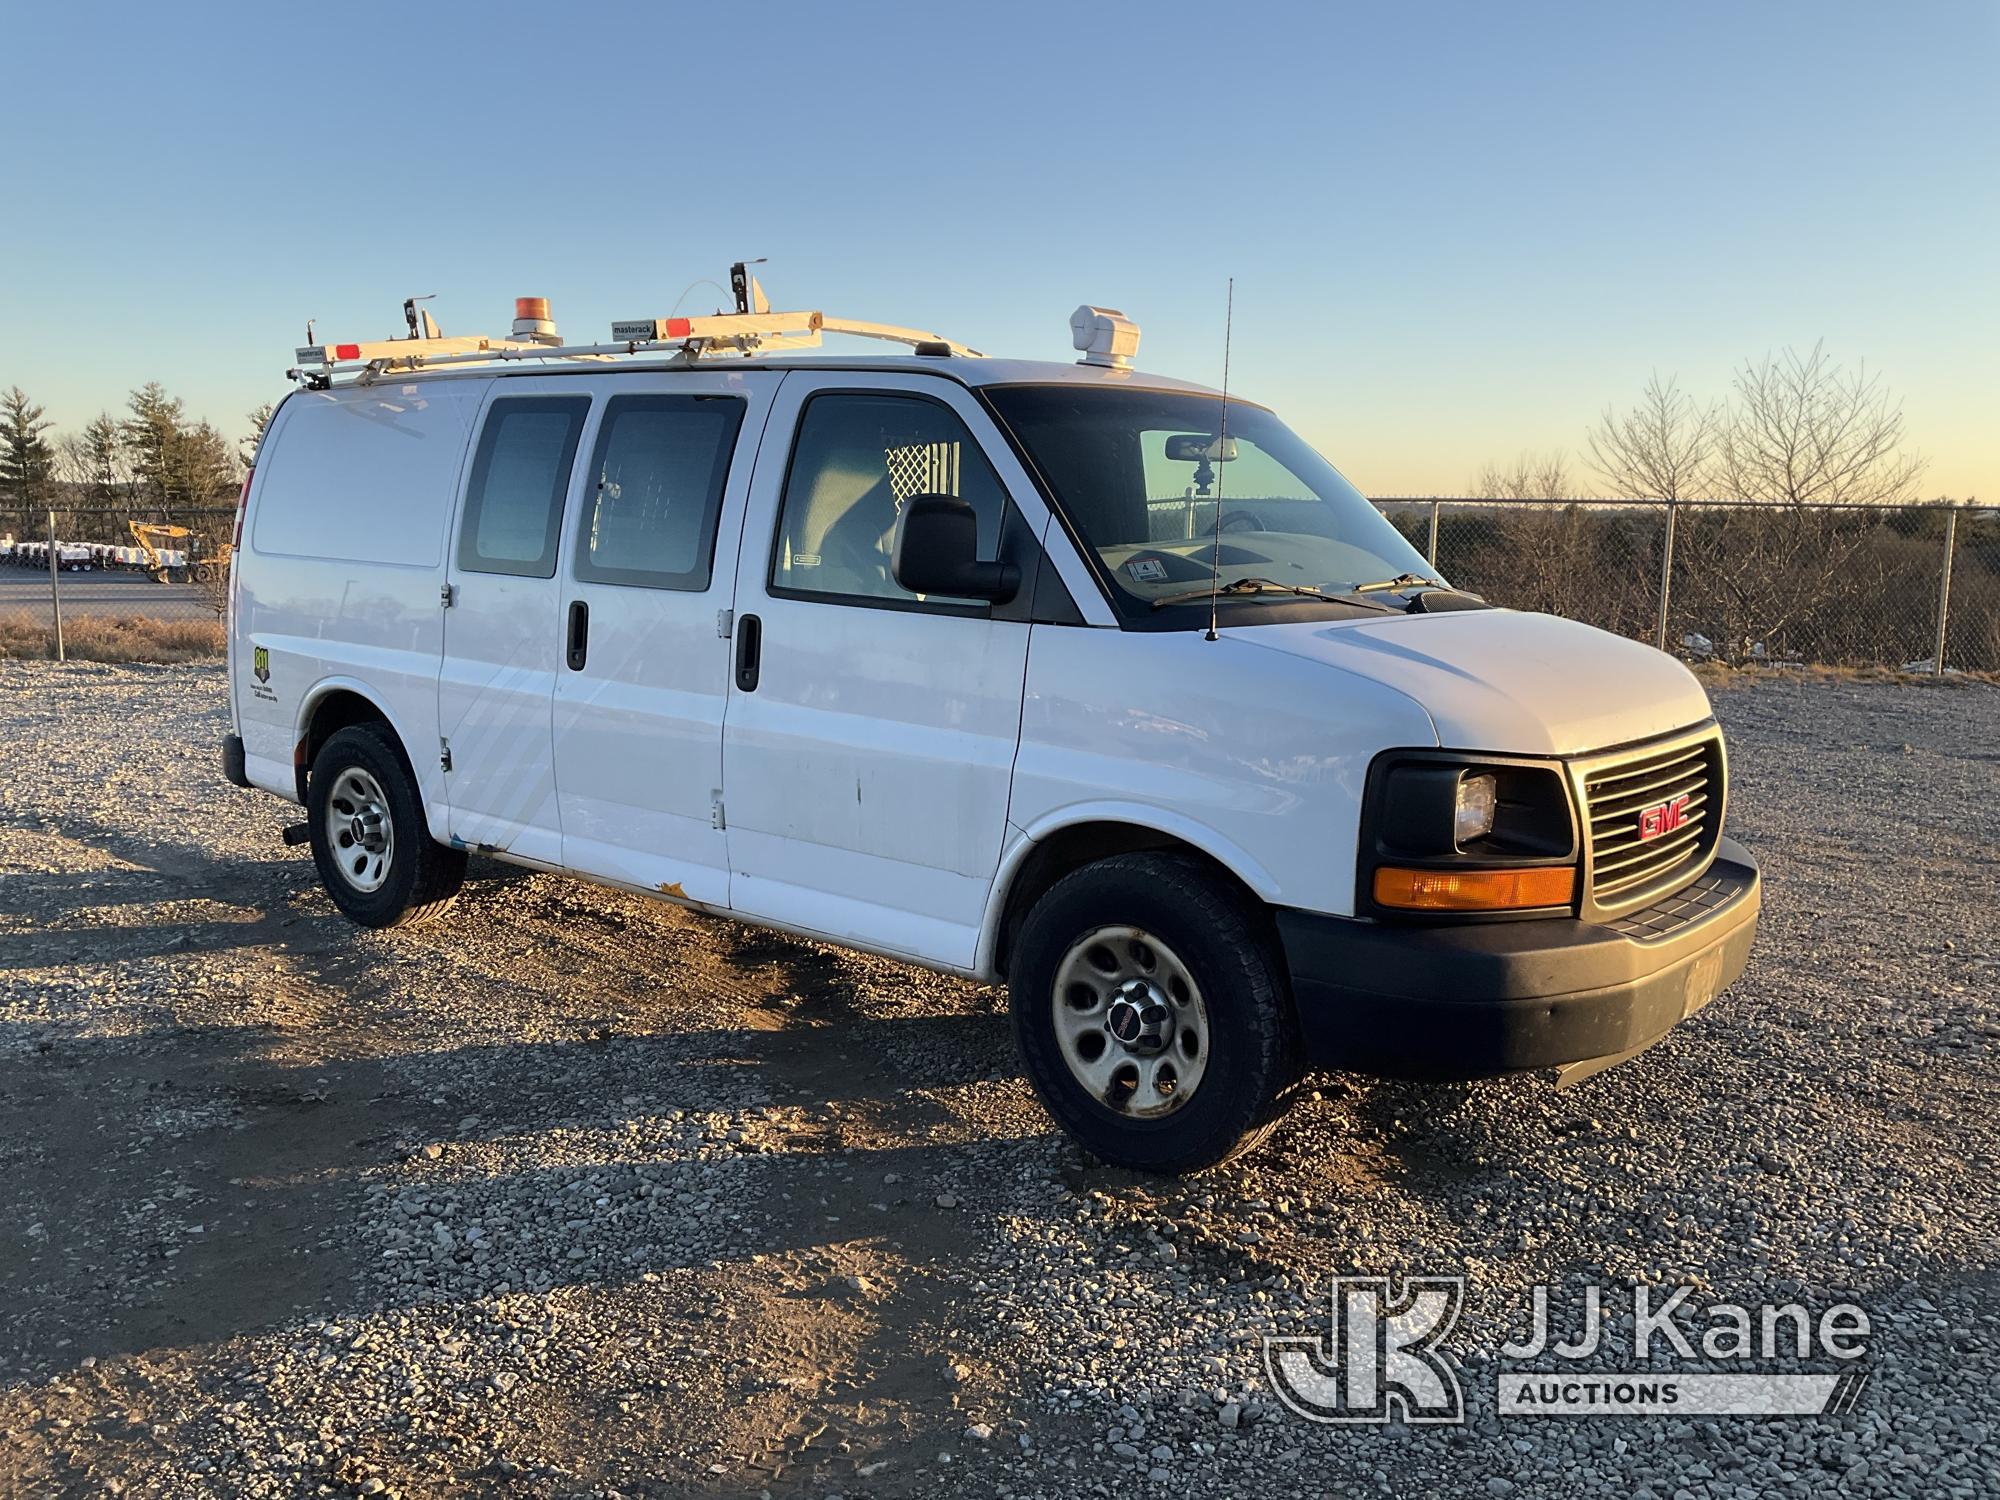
x,y
1474,890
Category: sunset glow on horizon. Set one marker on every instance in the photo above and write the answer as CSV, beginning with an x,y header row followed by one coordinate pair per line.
x,y
1457,234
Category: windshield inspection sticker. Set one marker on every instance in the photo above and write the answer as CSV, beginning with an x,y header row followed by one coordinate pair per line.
x,y
1147,570
1385,1357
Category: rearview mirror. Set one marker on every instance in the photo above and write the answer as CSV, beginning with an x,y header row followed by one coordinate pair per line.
x,y
936,551
1193,447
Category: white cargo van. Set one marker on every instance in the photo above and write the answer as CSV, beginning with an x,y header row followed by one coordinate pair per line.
x,y
1065,676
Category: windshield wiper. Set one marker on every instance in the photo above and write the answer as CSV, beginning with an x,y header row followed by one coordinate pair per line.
x,y
1400,581
1241,586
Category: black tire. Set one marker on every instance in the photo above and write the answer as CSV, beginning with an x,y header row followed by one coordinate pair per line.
x,y
1252,1052
423,875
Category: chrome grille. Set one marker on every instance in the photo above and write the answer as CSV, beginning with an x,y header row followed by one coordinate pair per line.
x,y
1627,867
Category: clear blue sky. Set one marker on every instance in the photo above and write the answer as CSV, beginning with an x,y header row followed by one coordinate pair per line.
x,y
1456,230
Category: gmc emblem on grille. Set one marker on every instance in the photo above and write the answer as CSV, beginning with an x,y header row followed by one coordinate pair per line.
x,y
1664,817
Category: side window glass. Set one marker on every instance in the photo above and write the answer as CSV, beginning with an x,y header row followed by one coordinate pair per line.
x,y
657,478
855,460
513,506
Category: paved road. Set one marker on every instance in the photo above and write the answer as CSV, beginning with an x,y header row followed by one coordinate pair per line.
x,y
25,591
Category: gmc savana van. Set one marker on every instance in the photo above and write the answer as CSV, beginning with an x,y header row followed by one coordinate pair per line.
x,y
1064,676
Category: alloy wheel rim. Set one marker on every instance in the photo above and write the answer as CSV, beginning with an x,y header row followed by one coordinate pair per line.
x,y
1130,1022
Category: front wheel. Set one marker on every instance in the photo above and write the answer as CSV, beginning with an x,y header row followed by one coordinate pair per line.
x,y
375,855
1152,1013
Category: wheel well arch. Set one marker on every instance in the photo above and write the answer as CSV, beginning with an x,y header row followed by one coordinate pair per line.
x,y
326,715
1072,847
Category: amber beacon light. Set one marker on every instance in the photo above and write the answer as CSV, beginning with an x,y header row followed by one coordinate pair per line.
x,y
533,321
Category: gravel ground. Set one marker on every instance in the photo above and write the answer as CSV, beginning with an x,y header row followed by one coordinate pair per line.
x,y
577,1194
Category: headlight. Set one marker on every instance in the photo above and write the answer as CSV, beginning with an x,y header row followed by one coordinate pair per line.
x,y
1473,817
1444,832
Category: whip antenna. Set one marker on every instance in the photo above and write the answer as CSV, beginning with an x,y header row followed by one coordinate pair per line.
x,y
1221,454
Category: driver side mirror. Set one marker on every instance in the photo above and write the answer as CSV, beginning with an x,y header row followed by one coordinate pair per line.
x,y
936,551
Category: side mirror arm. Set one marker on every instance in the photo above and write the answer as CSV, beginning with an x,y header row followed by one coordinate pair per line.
x,y
995,582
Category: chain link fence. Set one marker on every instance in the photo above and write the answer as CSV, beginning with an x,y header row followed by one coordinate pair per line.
x,y
1914,588
114,584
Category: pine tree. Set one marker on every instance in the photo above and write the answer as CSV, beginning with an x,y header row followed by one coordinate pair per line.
x,y
27,462
201,468
258,420
149,436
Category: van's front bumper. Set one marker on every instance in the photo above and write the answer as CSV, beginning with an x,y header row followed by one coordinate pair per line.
x,y
1474,999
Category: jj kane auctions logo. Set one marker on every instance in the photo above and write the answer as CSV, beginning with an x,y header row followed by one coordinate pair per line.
x,y
1386,1357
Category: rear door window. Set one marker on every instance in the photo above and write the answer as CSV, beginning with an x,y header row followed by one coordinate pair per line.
x,y
657,477
513,505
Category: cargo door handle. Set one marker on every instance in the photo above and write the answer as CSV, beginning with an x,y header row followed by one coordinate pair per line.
x,y
749,652
579,634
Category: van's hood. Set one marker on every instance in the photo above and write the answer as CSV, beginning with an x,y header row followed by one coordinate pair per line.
x,y
1499,680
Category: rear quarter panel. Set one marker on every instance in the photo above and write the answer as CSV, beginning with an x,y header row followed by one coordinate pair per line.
x,y
343,556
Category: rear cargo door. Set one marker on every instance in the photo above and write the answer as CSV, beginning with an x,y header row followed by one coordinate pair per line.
x,y
503,643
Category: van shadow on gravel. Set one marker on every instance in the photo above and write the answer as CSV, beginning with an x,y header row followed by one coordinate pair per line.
x,y
272,1156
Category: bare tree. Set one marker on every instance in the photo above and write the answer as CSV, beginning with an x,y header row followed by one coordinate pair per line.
x,y
1533,476
109,476
1660,448
86,474
72,463
1547,553
1802,434
1804,431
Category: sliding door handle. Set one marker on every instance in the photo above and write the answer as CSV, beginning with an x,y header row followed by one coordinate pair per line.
x,y
749,652
579,634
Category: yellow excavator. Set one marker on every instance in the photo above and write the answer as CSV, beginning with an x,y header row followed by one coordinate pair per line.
x,y
214,569
206,570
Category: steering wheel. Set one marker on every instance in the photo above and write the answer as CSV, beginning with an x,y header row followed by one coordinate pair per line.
x,y
1242,520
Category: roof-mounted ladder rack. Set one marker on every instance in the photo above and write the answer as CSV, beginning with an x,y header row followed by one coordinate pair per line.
x,y
683,340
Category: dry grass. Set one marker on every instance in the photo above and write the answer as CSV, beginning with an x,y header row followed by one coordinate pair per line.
x,y
116,638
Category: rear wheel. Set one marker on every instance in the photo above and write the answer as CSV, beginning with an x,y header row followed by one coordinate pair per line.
x,y
1152,1013
374,853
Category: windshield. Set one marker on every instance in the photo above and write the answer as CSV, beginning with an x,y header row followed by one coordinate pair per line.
x,y
1140,475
